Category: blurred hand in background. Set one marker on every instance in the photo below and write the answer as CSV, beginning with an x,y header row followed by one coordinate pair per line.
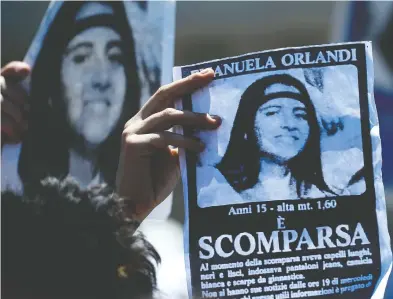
x,y
14,105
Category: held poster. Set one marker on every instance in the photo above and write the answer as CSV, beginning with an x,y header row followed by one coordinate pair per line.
x,y
94,63
287,199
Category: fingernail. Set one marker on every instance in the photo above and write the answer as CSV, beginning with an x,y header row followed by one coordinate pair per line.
x,y
216,118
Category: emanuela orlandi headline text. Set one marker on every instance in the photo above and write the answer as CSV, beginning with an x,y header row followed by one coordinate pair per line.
x,y
287,60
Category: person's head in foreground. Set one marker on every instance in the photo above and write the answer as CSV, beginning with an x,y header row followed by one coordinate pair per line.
x,y
61,242
84,87
276,123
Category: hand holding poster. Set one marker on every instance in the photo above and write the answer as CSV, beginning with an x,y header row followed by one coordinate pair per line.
x,y
287,199
94,63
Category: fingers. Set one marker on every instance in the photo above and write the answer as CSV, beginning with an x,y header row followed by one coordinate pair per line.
x,y
13,120
162,140
147,129
14,91
13,101
170,117
16,70
11,131
12,110
171,92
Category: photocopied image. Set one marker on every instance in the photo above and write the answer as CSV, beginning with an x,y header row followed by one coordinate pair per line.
x,y
94,63
286,135
292,171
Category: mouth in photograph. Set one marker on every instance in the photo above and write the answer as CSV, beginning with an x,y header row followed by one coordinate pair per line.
x,y
287,137
97,102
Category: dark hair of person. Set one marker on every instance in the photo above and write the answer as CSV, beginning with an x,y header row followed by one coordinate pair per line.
x,y
45,149
240,164
59,241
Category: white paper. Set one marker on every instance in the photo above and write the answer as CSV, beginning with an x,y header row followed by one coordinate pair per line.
x,y
291,181
146,30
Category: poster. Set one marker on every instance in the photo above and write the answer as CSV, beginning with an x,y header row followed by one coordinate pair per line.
x,y
94,64
287,199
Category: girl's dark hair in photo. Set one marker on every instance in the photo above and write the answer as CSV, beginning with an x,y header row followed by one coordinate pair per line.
x,y
61,242
45,150
240,164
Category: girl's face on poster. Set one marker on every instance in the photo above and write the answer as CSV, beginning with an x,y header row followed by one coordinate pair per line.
x,y
282,128
94,82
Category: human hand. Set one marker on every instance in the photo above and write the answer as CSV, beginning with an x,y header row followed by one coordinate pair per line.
x,y
149,166
13,101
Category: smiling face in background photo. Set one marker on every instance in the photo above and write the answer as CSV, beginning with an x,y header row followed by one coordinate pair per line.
x,y
93,78
281,128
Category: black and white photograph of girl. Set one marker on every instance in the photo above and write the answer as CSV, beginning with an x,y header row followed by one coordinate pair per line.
x,y
94,64
285,135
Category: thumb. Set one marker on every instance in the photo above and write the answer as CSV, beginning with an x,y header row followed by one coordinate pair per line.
x,y
16,70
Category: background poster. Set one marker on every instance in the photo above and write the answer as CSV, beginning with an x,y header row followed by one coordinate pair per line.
x,y
270,202
94,64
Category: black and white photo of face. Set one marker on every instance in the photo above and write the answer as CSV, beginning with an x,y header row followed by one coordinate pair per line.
x,y
93,79
281,128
